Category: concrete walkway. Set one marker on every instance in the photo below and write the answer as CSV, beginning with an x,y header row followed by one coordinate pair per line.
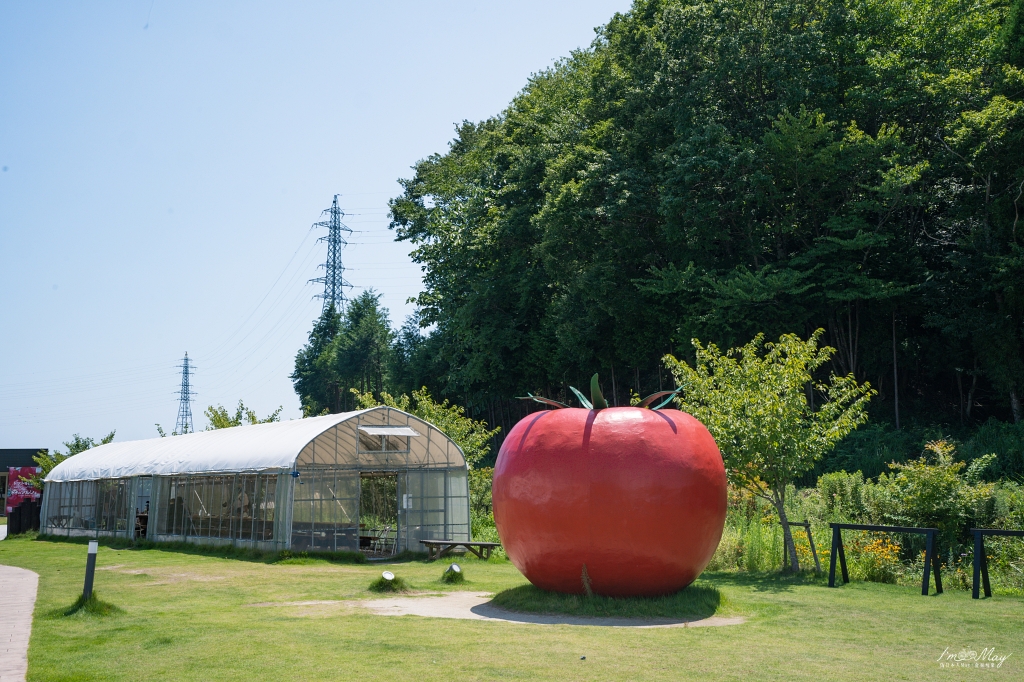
x,y
17,599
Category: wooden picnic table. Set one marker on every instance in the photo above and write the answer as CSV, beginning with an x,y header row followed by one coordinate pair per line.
x,y
439,548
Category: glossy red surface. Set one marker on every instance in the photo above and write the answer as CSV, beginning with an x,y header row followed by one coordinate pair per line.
x,y
637,495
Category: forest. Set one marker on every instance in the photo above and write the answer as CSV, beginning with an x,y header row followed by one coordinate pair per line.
x,y
713,170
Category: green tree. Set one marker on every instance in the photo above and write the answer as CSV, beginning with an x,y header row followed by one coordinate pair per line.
x,y
1013,34
220,418
361,352
345,351
46,460
315,381
720,168
754,401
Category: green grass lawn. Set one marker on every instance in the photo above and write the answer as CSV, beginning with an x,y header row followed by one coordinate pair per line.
x,y
187,616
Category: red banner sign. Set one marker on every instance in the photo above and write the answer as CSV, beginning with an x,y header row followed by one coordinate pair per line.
x,y
19,490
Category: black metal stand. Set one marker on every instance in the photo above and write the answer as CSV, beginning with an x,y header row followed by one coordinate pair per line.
x,y
814,553
931,552
981,561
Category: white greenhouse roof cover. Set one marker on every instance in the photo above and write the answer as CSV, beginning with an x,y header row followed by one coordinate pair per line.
x,y
242,448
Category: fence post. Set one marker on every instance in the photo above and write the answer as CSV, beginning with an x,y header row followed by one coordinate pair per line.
x,y
90,569
978,549
842,562
984,571
929,548
832,559
814,553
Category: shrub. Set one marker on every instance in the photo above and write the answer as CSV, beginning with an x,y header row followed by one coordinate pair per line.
x,y
999,437
934,493
842,496
871,447
480,490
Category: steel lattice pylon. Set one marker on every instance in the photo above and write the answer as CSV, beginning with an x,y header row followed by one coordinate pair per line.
x,y
333,279
184,423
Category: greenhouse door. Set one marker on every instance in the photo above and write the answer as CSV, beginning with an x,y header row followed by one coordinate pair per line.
x,y
422,508
404,506
378,513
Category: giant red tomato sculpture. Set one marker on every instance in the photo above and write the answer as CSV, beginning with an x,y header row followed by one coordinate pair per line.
x,y
627,501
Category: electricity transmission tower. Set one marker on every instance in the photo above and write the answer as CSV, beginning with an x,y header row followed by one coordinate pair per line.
x,y
333,279
184,423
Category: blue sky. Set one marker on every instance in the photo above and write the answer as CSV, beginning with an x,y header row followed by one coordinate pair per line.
x,y
162,165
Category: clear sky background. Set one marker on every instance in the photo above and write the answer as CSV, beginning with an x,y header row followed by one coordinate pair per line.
x,y
162,165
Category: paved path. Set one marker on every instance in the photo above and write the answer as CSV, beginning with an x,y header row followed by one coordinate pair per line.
x,y
17,599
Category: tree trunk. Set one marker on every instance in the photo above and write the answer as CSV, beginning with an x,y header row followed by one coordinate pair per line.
x,y
615,401
960,390
787,532
1015,406
970,393
895,374
846,340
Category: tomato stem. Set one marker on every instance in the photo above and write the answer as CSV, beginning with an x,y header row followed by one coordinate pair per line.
x,y
596,396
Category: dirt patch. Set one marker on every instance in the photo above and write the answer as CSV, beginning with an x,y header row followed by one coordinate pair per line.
x,y
173,578
314,608
476,606
315,602
162,577
195,577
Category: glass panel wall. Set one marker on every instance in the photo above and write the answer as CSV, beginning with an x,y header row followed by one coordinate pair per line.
x,y
457,518
424,508
229,507
325,510
91,506
111,504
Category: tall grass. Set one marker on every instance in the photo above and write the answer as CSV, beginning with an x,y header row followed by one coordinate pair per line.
x,y
750,545
223,551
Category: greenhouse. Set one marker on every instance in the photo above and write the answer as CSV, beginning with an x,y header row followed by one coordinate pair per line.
x,y
377,480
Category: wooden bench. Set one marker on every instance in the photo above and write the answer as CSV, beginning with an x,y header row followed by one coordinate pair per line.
x,y
439,548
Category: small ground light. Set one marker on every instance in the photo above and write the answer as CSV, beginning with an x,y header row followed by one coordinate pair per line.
x,y
387,575
453,574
